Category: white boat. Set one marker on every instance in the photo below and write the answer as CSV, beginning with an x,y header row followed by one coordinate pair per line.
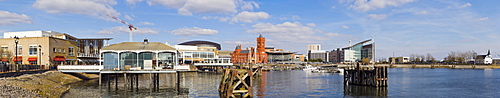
x,y
310,68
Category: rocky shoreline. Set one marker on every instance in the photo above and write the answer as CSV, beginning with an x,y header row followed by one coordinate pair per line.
x,y
52,84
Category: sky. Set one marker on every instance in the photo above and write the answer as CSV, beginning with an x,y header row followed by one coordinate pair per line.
x,y
399,27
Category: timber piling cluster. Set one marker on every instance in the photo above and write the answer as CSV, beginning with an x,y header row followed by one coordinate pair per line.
x,y
237,83
366,76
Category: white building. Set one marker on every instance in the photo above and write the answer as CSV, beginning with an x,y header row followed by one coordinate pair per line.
x,y
314,47
484,59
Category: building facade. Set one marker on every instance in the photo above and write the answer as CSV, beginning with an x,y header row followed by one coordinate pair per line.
x,y
139,55
39,48
251,55
353,53
318,54
314,47
484,59
399,60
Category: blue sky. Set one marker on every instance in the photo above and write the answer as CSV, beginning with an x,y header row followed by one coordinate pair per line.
x,y
402,27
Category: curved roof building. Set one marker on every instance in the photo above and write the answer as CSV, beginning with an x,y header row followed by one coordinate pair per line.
x,y
202,44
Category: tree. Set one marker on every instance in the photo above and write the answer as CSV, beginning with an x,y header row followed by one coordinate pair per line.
x,y
365,60
429,58
6,55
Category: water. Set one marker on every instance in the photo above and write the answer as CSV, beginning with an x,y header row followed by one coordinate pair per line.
x,y
403,82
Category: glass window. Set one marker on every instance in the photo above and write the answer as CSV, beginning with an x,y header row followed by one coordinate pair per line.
x,y
5,48
33,50
54,50
110,60
71,51
128,58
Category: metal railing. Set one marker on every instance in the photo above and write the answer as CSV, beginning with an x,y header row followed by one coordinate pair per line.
x,y
20,68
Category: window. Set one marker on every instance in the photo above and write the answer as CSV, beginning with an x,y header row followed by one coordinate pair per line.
x,y
33,50
54,50
19,50
60,50
63,50
71,51
4,48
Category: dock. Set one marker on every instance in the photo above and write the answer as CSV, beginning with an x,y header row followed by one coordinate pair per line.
x,y
366,75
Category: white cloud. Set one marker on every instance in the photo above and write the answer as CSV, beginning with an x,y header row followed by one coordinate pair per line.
x,y
345,27
223,19
249,17
287,17
126,30
8,18
146,23
366,5
420,13
175,4
291,32
481,19
311,24
378,16
247,5
465,5
194,31
95,8
190,7
133,1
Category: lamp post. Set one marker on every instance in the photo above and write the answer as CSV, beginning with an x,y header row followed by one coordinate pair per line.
x,y
16,40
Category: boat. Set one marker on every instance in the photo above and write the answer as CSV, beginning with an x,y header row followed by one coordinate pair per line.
x,y
310,68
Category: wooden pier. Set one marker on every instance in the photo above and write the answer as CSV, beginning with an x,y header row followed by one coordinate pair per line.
x,y
131,80
237,83
366,76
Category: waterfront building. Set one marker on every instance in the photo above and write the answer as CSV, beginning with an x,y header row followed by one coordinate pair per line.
x,y
318,54
314,47
139,55
49,48
202,53
399,60
353,53
251,55
484,59
301,57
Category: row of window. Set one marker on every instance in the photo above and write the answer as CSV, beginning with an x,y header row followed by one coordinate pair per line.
x,y
71,51
34,49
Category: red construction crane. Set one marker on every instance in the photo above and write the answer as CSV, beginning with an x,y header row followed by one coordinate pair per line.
x,y
130,26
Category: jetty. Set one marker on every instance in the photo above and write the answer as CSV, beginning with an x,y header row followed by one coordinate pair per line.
x,y
366,75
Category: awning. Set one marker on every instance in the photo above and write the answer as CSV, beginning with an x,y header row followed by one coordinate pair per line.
x,y
19,58
59,58
32,59
5,59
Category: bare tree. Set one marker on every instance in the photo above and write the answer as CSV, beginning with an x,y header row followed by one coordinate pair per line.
x,y
429,58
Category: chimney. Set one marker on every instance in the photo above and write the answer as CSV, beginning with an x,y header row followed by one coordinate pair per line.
x,y
166,43
145,41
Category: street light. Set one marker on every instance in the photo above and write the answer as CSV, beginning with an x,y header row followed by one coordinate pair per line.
x,y
16,40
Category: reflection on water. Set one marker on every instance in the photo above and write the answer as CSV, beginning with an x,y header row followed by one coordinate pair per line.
x,y
354,90
284,84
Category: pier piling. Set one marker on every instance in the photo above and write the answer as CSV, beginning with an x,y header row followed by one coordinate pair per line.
x,y
366,76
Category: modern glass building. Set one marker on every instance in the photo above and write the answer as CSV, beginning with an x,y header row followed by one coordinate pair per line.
x,y
139,55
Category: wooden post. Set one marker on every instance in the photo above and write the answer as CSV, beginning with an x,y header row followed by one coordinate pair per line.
x,y
178,82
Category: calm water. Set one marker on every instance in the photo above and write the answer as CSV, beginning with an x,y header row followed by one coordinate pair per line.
x,y
404,82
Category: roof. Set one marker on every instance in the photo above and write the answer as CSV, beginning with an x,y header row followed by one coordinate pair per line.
x,y
139,46
194,43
